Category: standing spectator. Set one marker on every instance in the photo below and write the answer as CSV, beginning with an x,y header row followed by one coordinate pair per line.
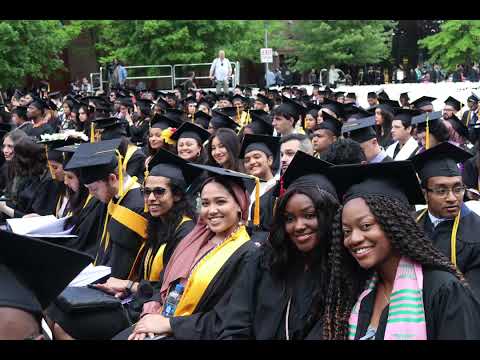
x,y
333,76
348,78
86,86
270,78
418,73
190,82
370,79
220,72
279,80
312,77
458,74
119,75
361,78
399,75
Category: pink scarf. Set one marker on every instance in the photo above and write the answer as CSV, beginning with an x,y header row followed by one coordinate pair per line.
x,y
406,314
196,244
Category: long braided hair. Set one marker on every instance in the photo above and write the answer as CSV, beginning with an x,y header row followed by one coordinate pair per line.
x,y
348,279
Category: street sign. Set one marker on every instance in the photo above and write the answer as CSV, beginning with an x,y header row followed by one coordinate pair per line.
x,y
266,55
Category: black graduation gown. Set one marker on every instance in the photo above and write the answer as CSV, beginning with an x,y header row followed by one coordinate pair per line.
x,y
26,127
39,195
470,173
139,131
205,323
36,132
387,159
258,307
468,243
87,228
3,176
124,243
136,165
451,310
267,204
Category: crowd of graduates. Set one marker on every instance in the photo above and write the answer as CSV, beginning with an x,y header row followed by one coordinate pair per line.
x,y
282,214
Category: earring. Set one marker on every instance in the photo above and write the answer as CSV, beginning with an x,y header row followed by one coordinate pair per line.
x,y
240,222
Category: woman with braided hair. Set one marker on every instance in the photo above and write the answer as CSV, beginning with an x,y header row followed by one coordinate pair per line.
x,y
387,280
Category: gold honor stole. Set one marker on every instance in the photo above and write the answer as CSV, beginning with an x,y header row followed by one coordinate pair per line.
x,y
125,216
128,155
206,270
152,269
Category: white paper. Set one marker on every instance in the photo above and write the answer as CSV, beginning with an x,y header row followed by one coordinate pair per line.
x,y
90,274
474,205
40,226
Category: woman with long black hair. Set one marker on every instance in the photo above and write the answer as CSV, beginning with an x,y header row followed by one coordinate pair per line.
x,y
387,279
223,150
274,296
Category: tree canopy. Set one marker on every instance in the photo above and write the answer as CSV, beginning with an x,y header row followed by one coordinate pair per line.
x,y
456,43
324,42
32,48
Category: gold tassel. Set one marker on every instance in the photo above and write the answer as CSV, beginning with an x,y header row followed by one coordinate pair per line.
x,y
249,118
256,211
120,174
92,133
427,134
146,173
48,163
238,114
193,118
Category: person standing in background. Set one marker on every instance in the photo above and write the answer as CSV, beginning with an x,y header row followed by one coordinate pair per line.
x,y
221,71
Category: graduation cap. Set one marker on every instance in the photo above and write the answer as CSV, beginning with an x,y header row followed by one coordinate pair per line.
x,y
54,94
422,101
387,105
145,105
405,115
264,100
163,104
360,130
229,111
307,168
404,94
31,283
316,86
330,123
160,121
440,160
68,152
352,110
5,128
112,127
473,98
338,94
224,96
334,106
175,115
39,104
192,131
242,179
372,95
269,145
97,160
202,119
169,165
432,118
395,179
243,99
261,123
459,126
220,120
291,107
189,100
382,95
351,95
457,105
126,101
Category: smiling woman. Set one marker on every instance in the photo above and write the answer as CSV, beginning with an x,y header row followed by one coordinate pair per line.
x,y
387,279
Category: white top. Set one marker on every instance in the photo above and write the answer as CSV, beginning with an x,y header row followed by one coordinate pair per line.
x,y
264,187
221,69
405,152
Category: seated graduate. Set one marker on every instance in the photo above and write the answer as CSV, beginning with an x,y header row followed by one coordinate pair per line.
x,y
36,112
8,149
274,296
133,156
29,284
405,145
140,121
159,135
344,151
170,218
388,280
431,130
448,222
325,134
258,153
123,228
85,211
223,150
471,166
33,190
206,263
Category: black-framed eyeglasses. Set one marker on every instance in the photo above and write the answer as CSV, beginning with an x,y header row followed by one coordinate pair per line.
x,y
157,192
443,192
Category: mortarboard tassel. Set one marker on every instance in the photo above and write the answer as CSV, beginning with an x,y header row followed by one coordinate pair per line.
x,y
48,163
427,134
146,173
468,118
249,118
120,174
282,187
256,212
193,118
92,133
238,114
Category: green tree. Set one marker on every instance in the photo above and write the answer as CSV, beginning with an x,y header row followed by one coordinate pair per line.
x,y
456,43
32,48
323,42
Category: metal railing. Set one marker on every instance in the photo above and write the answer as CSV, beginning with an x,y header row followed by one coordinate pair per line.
x,y
235,72
93,83
171,76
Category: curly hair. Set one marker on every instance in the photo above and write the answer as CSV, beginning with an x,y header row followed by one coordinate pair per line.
x,y
348,279
280,255
162,231
344,151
